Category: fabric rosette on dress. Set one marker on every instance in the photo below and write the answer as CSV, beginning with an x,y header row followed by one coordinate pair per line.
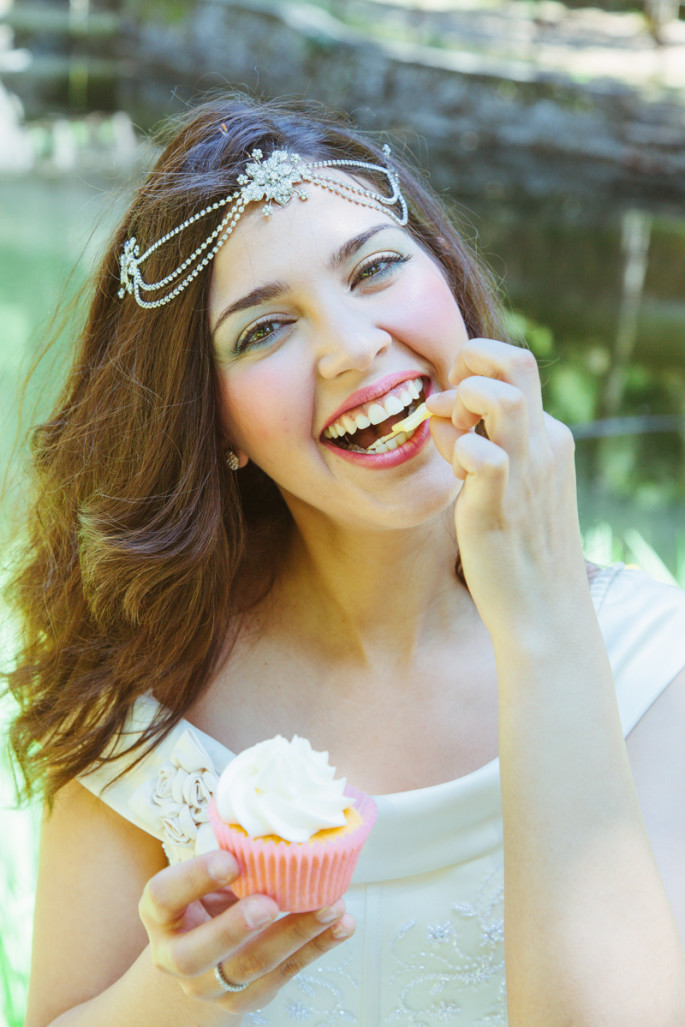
x,y
173,805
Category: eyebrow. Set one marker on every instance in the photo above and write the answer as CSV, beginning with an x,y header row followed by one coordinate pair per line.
x,y
274,290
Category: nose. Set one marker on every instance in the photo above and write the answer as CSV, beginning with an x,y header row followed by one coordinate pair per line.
x,y
348,340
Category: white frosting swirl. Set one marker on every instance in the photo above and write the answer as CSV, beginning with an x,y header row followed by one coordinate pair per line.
x,y
282,788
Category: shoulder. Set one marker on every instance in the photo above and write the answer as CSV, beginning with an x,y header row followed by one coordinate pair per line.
x,y
657,760
643,622
166,790
623,593
93,867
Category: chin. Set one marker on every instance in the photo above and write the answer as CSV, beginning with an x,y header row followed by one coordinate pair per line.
x,y
431,506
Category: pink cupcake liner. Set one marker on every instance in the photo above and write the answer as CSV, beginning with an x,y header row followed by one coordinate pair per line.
x,y
300,877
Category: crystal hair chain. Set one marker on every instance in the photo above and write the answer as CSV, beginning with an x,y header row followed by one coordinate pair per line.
x,y
273,179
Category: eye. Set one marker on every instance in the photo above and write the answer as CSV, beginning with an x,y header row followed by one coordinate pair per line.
x,y
258,334
378,267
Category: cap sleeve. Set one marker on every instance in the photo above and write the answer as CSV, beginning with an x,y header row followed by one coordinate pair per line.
x,y
168,791
643,624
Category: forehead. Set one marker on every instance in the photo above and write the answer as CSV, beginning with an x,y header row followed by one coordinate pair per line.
x,y
265,248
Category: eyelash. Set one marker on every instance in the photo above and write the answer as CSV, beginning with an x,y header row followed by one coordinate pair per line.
x,y
248,341
387,262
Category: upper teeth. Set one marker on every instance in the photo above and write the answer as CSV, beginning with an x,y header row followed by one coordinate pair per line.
x,y
394,402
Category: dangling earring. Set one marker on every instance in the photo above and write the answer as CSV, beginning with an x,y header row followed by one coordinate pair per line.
x,y
232,460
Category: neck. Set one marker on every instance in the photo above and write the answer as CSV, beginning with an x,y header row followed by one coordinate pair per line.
x,y
368,593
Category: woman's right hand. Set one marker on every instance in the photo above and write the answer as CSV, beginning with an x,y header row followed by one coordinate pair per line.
x,y
194,922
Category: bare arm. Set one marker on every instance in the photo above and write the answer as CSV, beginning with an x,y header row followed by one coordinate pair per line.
x,y
93,964
590,936
89,942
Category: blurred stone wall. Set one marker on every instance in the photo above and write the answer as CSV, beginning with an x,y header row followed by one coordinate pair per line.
x,y
485,124
489,125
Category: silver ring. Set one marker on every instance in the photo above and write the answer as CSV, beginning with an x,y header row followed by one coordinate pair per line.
x,y
224,981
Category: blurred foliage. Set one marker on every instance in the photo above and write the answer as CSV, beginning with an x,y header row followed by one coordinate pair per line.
x,y
175,11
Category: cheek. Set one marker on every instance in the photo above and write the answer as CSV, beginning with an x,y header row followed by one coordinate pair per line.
x,y
433,319
262,407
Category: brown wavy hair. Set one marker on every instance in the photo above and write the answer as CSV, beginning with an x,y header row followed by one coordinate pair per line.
x,y
143,549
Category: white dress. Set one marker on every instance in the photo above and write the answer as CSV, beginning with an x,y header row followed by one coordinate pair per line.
x,y
427,891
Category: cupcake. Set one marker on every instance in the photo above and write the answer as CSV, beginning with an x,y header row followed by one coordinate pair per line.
x,y
295,830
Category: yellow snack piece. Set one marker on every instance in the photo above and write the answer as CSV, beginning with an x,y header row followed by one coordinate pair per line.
x,y
410,423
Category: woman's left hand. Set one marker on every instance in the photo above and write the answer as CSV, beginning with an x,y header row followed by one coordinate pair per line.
x,y
516,515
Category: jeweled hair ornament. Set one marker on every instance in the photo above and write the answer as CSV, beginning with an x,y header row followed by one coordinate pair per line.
x,y
273,180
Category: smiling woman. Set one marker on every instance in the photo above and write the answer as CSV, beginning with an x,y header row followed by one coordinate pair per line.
x,y
227,544
355,295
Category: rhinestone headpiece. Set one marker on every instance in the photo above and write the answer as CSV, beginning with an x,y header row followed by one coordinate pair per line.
x,y
273,180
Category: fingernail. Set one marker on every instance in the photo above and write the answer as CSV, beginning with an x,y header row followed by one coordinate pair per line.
x,y
343,929
258,915
222,867
330,913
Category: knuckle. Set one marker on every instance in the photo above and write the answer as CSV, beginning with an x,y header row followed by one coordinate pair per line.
x,y
180,962
153,902
523,360
560,435
292,965
513,402
302,931
193,988
158,962
567,441
323,943
143,908
226,933
250,966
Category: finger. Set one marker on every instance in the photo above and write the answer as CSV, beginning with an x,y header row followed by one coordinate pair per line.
x,y
485,468
268,951
300,958
444,436
316,948
199,950
442,403
500,360
503,409
168,893
560,436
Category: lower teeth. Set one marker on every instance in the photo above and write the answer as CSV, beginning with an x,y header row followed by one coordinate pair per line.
x,y
387,447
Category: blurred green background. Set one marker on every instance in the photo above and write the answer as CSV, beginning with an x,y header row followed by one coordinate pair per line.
x,y
589,246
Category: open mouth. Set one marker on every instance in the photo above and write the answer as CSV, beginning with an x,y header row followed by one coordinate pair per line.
x,y
361,427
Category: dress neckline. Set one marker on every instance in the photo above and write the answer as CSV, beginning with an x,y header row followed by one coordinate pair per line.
x,y
599,582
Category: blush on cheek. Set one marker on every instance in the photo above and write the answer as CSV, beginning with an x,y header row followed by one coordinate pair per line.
x,y
436,320
262,407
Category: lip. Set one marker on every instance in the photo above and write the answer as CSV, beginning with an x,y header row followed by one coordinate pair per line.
x,y
381,461
371,392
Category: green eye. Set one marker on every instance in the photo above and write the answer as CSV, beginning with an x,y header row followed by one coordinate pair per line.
x,y
258,334
379,267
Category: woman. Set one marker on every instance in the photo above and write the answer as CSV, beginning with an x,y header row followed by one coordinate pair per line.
x,y
217,556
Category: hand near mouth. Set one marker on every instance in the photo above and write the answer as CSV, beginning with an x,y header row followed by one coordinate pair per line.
x,y
441,407
516,515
